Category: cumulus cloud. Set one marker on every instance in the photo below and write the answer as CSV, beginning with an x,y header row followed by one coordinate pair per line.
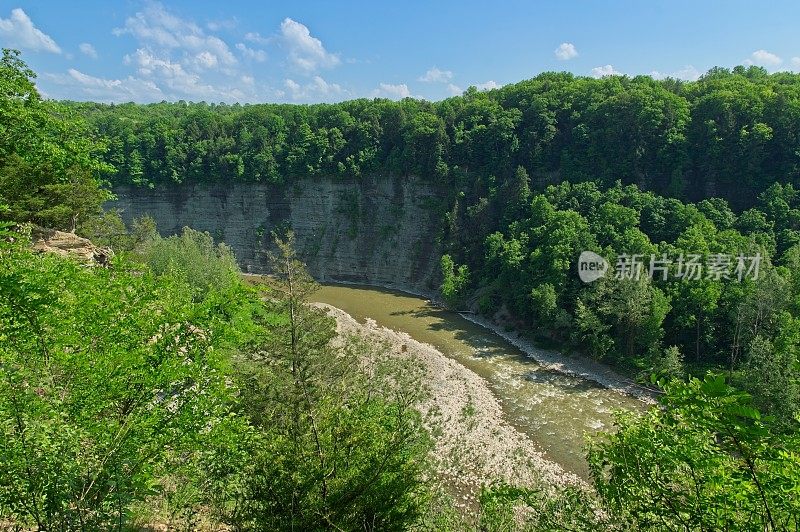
x,y
107,90
181,83
454,90
19,31
566,51
256,37
393,92
306,52
186,62
175,76
795,63
317,89
252,54
687,73
176,58
763,58
435,75
88,49
155,26
487,85
605,70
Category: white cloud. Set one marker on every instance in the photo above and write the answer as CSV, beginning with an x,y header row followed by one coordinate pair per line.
x,y
434,75
249,53
605,70
687,73
566,51
763,58
454,90
107,90
88,49
155,26
393,92
256,37
182,83
488,85
19,31
795,63
185,61
206,60
305,51
177,59
227,24
175,76
317,89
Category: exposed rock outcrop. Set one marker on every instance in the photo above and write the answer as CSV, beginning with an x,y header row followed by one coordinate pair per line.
x,y
380,230
69,245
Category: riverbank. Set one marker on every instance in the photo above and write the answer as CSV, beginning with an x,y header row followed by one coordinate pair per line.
x,y
474,444
575,365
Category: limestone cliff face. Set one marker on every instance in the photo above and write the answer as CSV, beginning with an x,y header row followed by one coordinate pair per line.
x,y
380,231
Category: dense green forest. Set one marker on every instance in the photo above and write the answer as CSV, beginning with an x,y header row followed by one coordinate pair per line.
x,y
166,389
730,134
535,172
517,250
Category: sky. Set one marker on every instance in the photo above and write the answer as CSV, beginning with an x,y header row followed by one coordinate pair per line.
x,y
325,51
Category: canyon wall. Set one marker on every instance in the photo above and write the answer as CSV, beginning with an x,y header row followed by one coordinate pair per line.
x,y
380,230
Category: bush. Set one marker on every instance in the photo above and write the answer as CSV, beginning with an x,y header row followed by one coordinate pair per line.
x,y
193,257
454,281
104,376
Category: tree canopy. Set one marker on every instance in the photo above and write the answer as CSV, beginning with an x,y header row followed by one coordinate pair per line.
x,y
51,168
729,134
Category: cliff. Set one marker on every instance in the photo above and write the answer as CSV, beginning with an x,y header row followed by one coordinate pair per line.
x,y
379,231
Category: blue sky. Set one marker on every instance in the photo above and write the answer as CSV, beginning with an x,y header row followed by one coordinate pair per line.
x,y
284,51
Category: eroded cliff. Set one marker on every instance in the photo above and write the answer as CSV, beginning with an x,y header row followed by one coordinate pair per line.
x,y
381,230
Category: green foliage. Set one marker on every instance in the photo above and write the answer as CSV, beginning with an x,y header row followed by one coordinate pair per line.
x,y
506,508
771,374
107,229
339,441
526,262
669,365
704,459
50,166
730,133
176,385
175,393
192,256
631,311
454,281
707,460
726,141
105,376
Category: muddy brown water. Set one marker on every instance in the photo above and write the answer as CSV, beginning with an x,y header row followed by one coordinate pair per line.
x,y
555,410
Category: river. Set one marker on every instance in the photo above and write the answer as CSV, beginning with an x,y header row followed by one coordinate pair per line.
x,y
555,410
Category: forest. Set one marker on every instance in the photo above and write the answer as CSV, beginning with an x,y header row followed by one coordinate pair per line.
x,y
166,388
731,134
535,172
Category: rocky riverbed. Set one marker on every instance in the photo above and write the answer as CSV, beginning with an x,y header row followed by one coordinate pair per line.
x,y
474,444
